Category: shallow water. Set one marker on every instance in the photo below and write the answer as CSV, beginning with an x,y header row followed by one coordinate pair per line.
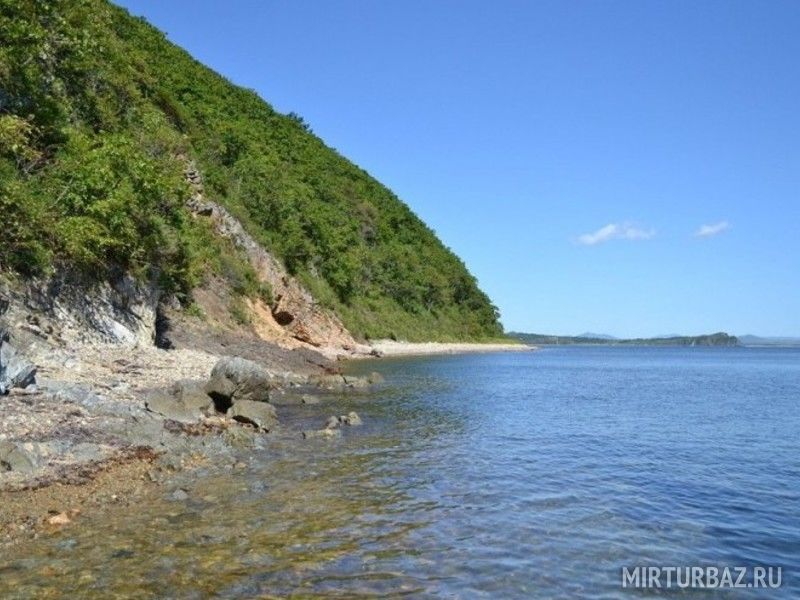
x,y
497,476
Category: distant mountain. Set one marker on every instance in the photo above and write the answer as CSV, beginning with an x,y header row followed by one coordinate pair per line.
x,y
713,339
597,336
755,340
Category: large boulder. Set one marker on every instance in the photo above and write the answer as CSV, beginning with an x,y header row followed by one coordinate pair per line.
x,y
259,414
234,379
15,370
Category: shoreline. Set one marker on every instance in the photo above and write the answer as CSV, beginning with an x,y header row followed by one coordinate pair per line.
x,y
391,348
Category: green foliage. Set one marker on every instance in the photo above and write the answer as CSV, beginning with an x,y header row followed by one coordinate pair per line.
x,y
96,109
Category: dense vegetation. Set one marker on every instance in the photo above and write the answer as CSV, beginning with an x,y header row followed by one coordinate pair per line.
x,y
713,339
98,115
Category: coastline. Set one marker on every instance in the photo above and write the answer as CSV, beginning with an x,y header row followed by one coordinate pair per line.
x,y
389,348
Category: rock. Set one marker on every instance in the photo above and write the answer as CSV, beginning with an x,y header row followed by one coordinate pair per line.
x,y
260,414
171,408
179,495
322,433
185,402
234,379
14,457
192,394
283,397
330,382
15,370
355,382
309,399
375,378
241,438
59,519
340,382
332,423
351,418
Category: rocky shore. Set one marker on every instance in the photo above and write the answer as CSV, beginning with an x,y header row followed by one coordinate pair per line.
x,y
108,393
95,426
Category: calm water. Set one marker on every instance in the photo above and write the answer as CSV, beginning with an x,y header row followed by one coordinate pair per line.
x,y
494,476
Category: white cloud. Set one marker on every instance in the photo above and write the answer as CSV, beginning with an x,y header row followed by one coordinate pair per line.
x,y
615,231
707,231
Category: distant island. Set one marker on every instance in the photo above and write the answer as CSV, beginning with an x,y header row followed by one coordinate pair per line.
x,y
713,339
777,342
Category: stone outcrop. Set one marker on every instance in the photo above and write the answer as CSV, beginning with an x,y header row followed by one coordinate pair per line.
x,y
293,307
15,370
70,310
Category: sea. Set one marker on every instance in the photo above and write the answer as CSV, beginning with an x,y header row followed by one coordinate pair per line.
x,y
567,472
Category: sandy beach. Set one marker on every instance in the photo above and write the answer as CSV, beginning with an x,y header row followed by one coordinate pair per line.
x,y
393,348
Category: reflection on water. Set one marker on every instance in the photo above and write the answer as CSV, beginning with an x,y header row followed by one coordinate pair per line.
x,y
491,476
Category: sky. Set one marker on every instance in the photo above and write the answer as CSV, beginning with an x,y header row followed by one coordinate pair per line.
x,y
630,168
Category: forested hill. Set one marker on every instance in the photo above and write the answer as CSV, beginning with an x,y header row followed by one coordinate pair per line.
x,y
99,115
713,339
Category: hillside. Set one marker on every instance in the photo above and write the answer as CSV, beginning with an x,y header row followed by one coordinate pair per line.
x,y
101,117
714,339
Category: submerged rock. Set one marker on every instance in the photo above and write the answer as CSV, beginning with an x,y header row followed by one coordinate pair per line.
x,y
339,382
259,414
322,433
351,418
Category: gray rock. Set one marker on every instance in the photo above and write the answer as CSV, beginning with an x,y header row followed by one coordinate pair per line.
x,y
179,495
234,379
260,414
13,457
171,408
191,394
332,423
241,438
375,378
15,370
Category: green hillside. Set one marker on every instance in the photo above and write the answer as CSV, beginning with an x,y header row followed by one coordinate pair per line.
x,y
98,115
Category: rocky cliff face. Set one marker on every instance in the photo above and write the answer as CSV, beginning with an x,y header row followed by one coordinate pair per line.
x,y
294,310
67,310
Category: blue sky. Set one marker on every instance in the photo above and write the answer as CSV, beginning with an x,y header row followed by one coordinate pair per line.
x,y
569,152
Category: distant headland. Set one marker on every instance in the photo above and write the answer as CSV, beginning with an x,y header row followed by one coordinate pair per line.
x,y
713,339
